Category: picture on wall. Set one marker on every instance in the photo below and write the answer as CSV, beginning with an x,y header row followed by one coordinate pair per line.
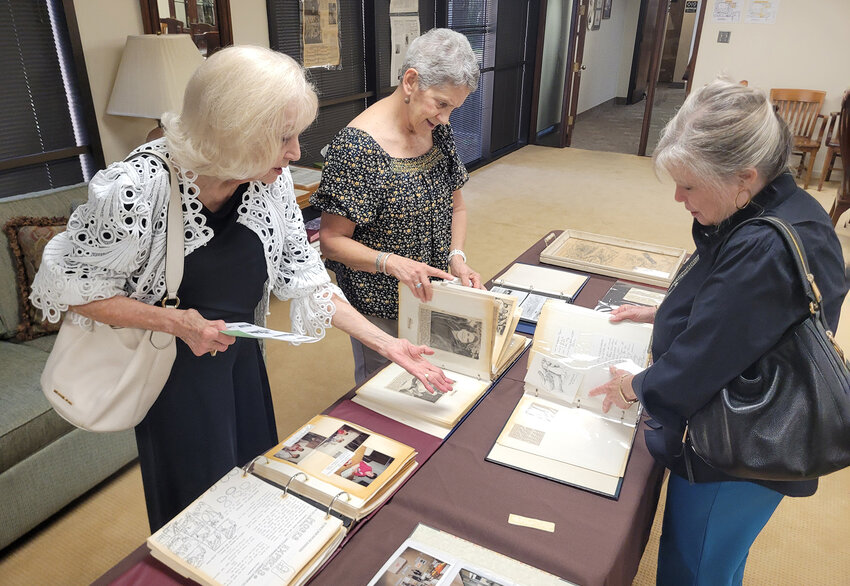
x,y
606,8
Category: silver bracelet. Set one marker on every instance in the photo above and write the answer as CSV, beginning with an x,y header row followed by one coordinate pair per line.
x,y
384,263
457,252
380,260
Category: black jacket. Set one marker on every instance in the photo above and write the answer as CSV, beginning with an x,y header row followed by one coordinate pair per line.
x,y
730,307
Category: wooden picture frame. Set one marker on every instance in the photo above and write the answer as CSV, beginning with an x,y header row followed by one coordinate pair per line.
x,y
631,260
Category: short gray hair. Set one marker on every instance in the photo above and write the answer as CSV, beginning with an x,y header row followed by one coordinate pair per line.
x,y
722,129
239,106
442,57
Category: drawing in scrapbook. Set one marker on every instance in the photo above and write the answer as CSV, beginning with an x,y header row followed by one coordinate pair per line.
x,y
556,430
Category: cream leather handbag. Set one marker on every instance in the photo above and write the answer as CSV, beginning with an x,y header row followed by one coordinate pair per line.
x,y
106,378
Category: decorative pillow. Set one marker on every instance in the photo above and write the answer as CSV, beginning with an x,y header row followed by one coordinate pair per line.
x,y
27,239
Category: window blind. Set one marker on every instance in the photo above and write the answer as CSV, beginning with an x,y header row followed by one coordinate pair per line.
x,y
44,140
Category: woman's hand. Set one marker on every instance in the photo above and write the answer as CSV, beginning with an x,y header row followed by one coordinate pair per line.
x,y
409,357
461,270
616,390
635,313
414,274
202,335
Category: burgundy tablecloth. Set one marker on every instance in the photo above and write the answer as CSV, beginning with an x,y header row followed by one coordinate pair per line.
x,y
597,540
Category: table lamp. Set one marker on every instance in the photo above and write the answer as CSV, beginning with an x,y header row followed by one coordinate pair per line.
x,y
152,76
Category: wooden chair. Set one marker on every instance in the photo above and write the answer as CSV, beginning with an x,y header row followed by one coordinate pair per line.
x,y
832,150
801,111
842,197
172,26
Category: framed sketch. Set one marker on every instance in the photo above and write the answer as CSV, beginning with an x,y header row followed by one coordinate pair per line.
x,y
606,8
641,262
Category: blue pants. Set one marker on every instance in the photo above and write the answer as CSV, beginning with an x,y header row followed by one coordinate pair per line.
x,y
708,530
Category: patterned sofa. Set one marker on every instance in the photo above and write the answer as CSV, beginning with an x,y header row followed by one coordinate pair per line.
x,y
45,463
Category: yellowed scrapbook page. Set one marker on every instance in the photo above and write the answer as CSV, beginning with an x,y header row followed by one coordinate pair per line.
x,y
329,457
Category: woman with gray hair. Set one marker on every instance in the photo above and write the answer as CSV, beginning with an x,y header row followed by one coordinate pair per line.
x,y
727,151
244,239
391,189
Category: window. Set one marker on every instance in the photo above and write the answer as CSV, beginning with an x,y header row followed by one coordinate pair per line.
x,y
46,142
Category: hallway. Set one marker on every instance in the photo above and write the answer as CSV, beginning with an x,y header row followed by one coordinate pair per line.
x,y
616,128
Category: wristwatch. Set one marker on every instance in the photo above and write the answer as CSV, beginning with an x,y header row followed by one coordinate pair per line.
x,y
457,252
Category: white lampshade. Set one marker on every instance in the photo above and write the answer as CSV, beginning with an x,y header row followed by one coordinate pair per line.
x,y
153,74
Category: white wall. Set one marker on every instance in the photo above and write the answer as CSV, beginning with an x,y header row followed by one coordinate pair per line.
x,y
104,27
631,12
603,54
808,47
250,22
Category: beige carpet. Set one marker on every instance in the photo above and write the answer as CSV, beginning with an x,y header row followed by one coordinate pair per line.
x,y
512,203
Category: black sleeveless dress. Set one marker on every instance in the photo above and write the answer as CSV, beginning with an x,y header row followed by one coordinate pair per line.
x,y
215,412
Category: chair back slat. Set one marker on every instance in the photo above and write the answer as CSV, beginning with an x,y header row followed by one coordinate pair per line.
x,y
844,143
798,108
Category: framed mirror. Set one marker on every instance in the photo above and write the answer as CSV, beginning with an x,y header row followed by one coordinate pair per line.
x,y
208,21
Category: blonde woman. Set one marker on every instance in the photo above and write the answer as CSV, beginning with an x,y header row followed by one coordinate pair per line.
x,y
244,240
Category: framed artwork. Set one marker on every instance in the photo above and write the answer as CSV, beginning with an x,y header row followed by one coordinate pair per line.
x,y
606,8
594,14
641,262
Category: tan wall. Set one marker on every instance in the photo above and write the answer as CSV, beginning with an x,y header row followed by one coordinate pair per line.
x,y
104,27
807,47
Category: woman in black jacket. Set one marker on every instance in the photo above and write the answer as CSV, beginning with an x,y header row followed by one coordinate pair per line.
x,y
727,152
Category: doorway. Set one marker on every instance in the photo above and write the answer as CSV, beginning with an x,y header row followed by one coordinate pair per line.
x,y
621,51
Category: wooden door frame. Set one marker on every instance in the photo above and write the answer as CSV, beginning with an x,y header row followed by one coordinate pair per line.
x,y
654,69
572,82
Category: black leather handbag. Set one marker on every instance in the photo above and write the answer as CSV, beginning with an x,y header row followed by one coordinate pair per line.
x,y
787,417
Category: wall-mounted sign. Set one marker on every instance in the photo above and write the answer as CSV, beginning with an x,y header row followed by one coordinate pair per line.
x,y
691,5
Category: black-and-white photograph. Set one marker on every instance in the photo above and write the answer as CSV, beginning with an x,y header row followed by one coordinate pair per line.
x,y
332,18
298,451
407,384
503,318
312,23
456,334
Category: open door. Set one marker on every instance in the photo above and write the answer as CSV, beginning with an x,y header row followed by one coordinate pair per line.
x,y
645,42
575,67
560,43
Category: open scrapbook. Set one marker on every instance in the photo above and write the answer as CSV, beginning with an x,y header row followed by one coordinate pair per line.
x,y
557,430
533,285
291,508
472,334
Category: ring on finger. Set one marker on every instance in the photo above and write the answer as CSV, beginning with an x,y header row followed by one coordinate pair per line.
x,y
418,285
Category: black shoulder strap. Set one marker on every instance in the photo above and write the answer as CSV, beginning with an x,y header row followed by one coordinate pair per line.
x,y
798,256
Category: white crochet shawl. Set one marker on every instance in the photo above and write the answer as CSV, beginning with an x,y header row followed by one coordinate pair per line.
x,y
115,244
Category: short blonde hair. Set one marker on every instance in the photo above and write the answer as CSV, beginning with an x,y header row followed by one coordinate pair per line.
x,y
239,106
722,129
